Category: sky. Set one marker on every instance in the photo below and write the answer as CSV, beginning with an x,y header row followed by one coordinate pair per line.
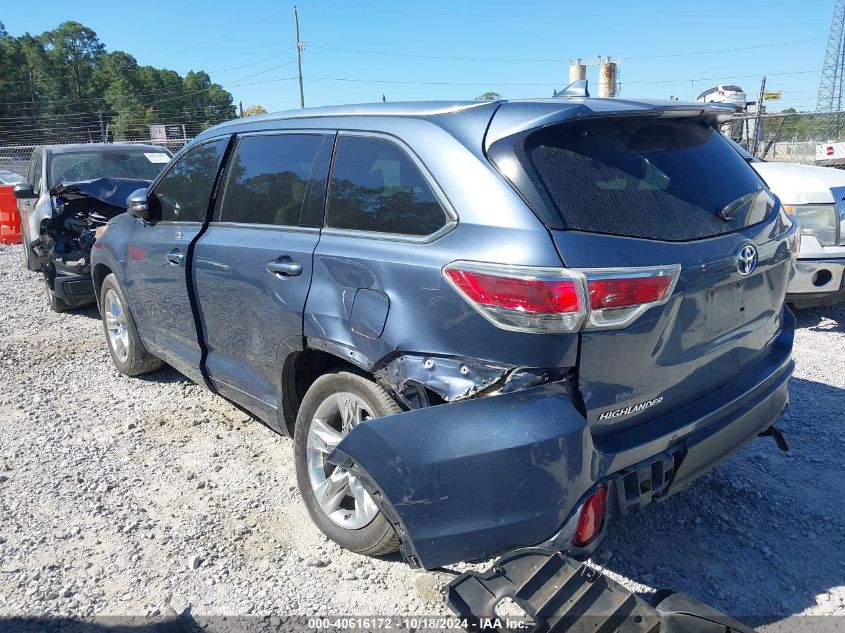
x,y
360,51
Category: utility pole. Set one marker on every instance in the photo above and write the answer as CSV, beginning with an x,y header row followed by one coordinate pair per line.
x,y
241,108
102,127
758,118
299,47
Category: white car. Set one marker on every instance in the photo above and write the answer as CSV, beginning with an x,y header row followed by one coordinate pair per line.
x,y
9,178
816,196
723,94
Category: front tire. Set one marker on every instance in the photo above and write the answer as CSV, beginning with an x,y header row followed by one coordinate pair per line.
x,y
336,501
29,259
56,304
125,346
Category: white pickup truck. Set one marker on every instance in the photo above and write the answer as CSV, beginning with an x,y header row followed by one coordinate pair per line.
x,y
816,196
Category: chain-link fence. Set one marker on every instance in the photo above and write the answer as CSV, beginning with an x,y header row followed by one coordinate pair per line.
x,y
15,158
810,138
796,137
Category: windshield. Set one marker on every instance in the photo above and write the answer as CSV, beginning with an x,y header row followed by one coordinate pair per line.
x,y
640,177
88,165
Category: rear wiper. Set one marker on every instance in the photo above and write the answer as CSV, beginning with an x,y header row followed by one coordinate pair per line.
x,y
728,210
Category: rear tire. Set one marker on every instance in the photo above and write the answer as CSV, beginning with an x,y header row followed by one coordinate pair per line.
x,y
344,512
127,351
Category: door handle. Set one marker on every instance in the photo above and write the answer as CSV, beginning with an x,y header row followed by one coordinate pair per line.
x,y
284,267
175,257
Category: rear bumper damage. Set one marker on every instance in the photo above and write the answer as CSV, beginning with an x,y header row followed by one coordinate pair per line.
x,y
540,590
479,477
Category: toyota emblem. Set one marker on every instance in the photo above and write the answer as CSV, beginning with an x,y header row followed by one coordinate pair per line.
x,y
746,259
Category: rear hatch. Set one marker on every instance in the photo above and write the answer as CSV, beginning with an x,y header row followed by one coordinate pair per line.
x,y
653,190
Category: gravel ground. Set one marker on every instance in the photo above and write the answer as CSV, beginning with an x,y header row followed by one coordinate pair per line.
x,y
131,496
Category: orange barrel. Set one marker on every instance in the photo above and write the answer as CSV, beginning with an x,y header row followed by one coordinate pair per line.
x,y
10,221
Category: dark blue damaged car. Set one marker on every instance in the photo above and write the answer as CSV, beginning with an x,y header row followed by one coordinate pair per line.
x,y
485,325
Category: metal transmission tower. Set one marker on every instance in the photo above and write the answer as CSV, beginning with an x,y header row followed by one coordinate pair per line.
x,y
831,88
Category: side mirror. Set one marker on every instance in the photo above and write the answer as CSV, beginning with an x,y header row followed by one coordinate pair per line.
x,y
137,205
24,191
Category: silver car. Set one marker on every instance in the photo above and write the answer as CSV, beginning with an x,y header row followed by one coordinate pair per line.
x,y
69,191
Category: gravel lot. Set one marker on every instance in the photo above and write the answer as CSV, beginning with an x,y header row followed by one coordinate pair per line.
x,y
136,496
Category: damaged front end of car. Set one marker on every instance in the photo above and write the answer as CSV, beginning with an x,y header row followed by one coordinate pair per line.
x,y
64,245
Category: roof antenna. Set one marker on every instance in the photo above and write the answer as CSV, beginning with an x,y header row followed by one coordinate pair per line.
x,y
575,89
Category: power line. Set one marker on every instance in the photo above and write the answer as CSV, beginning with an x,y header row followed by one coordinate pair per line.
x,y
636,10
260,61
545,84
556,60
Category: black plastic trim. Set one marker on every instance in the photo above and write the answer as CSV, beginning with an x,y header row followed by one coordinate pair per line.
x,y
189,264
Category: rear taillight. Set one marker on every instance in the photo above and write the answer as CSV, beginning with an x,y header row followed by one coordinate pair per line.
x,y
591,519
619,296
534,299
521,297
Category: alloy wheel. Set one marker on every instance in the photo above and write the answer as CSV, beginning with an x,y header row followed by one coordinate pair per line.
x,y
338,492
116,326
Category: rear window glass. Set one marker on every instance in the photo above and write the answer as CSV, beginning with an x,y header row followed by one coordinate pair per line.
x,y
646,178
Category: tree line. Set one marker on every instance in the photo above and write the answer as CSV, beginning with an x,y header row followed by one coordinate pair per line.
x,y
64,86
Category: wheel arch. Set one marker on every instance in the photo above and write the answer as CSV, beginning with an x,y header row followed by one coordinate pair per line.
x,y
99,274
302,367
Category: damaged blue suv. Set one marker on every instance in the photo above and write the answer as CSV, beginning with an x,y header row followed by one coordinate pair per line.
x,y
485,325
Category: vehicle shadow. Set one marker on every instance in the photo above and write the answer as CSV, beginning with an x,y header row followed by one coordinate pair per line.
x,y
166,375
90,311
175,623
826,319
762,536
92,625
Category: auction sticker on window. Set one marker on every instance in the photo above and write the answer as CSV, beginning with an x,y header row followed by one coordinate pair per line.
x,y
157,157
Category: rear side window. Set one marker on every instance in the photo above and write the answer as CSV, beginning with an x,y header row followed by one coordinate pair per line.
x,y
646,178
268,178
375,186
184,192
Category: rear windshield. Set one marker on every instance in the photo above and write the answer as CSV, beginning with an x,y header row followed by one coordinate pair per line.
x,y
77,166
648,178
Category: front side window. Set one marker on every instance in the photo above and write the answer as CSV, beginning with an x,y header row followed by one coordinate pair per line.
x,y
184,192
375,186
267,179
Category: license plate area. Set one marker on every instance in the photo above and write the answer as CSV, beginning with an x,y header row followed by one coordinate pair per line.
x,y
720,310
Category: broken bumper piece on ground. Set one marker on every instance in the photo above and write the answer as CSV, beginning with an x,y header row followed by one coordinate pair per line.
x,y
539,590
